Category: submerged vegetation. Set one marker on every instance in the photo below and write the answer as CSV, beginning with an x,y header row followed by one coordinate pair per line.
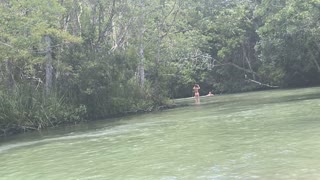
x,y
63,61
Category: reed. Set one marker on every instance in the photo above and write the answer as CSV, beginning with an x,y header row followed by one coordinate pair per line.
x,y
28,109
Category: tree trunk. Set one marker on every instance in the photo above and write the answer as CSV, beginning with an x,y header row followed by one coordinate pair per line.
x,y
49,68
114,26
75,18
103,32
141,50
141,66
157,65
314,58
10,77
245,56
114,35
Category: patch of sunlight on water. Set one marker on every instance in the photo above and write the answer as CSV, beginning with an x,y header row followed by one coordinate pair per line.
x,y
259,135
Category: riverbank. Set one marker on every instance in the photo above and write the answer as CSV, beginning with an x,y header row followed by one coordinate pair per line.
x,y
171,104
12,129
277,95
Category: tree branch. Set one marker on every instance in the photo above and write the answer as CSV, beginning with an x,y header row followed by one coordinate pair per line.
x,y
262,84
6,44
243,69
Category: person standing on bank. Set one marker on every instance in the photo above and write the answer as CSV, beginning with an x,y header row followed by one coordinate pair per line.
x,y
196,88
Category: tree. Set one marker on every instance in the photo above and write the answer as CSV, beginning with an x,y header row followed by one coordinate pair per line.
x,y
289,42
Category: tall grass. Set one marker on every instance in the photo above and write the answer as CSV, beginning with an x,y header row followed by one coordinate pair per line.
x,y
28,109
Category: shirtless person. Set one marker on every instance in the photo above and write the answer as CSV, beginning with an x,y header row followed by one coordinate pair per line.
x,y
210,94
196,88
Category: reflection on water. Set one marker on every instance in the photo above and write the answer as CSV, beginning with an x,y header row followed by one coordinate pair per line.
x,y
261,135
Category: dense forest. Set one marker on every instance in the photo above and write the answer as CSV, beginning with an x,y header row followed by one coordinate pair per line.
x,y
63,61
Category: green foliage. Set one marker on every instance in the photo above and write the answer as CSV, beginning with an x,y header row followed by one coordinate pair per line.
x,y
98,50
28,109
289,42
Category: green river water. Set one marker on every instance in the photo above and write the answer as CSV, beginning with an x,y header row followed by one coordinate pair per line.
x,y
258,135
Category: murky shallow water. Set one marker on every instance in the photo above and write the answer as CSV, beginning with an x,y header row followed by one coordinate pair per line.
x,y
260,135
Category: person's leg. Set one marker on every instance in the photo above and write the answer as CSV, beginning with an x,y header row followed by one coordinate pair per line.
x,y
197,99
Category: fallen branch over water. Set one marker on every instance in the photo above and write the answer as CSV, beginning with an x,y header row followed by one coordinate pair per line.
x,y
262,84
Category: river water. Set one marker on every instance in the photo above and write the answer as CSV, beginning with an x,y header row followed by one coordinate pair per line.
x,y
257,135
